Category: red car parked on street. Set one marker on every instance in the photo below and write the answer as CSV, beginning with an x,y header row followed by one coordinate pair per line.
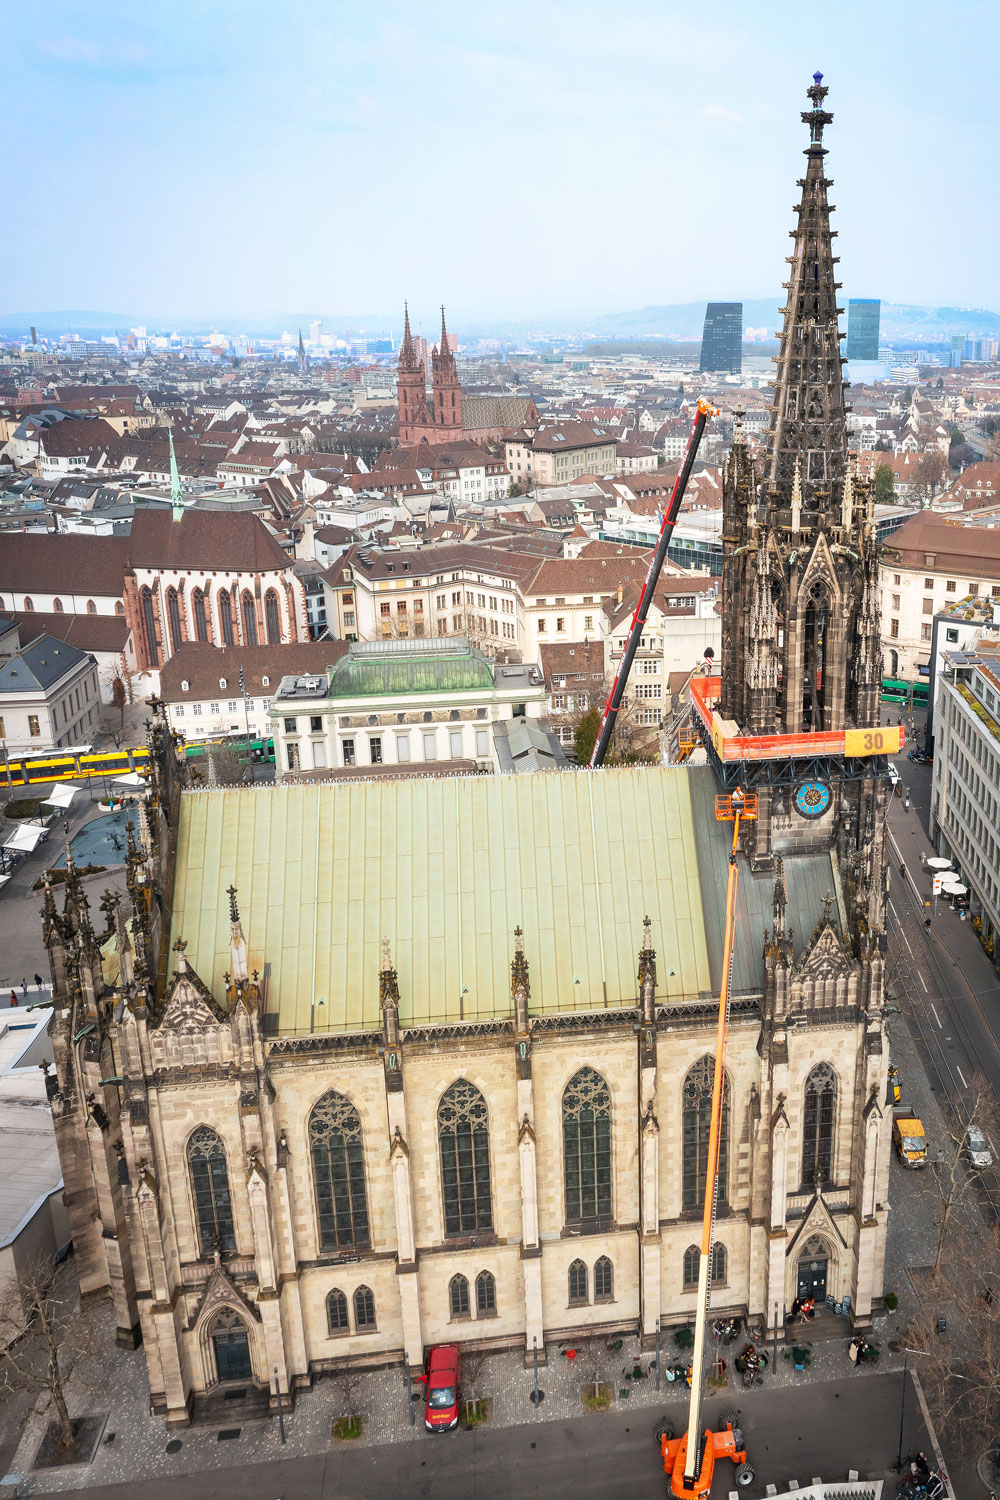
x,y
441,1381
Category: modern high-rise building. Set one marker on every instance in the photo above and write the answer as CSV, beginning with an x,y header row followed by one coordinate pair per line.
x,y
722,339
863,315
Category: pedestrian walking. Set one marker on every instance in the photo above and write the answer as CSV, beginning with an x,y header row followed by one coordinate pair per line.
x,y
39,982
24,988
13,1000
927,924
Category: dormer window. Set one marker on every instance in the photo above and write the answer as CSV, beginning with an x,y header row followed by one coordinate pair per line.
x,y
185,685
223,682
265,682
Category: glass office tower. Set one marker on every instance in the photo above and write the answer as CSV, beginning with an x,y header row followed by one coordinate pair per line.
x,y
722,339
862,327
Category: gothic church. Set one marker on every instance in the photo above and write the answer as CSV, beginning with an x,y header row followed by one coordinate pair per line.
x,y
354,1068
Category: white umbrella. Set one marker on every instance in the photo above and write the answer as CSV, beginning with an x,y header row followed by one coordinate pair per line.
x,y
24,839
62,796
938,864
955,889
129,778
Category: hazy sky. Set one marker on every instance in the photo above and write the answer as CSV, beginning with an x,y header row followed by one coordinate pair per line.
x,y
236,157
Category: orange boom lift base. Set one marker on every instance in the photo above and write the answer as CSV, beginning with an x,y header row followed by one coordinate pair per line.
x,y
690,1460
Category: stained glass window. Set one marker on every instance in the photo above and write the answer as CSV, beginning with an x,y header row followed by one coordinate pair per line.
x,y
817,1126
337,1150
587,1147
695,1126
464,1134
210,1186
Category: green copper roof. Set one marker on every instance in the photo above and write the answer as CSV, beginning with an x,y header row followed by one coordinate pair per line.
x,y
446,868
406,667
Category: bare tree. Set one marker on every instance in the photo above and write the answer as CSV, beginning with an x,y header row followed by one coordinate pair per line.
x,y
955,1175
929,472
473,1366
121,678
31,1303
960,1372
349,1385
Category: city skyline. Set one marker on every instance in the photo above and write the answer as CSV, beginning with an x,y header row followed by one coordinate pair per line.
x,y
349,159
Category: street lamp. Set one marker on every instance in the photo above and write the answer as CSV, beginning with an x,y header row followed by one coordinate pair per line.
x,y
925,1354
537,1397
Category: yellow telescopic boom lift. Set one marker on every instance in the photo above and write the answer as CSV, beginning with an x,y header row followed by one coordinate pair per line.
x,y
690,1459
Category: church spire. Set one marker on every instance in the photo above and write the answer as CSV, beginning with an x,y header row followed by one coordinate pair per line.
x,y
407,352
302,352
176,493
808,414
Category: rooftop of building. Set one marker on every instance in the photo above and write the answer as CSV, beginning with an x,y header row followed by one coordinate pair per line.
x,y
447,867
38,666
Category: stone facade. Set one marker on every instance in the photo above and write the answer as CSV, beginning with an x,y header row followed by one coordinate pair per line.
x,y
240,1234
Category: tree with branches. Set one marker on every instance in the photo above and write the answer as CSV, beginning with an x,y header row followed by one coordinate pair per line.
x,y
349,1386
473,1368
955,1176
960,1371
37,1353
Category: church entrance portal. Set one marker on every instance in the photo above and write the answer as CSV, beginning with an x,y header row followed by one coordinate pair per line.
x,y
812,1278
232,1348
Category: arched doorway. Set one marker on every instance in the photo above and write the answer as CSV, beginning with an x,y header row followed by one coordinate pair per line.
x,y
232,1346
812,1270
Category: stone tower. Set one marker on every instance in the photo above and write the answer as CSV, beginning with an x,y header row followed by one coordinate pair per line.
x,y
801,650
411,390
447,391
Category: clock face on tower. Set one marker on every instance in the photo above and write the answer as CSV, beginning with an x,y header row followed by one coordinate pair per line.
x,y
812,798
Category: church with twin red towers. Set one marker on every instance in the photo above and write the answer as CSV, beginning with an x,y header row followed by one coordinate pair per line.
x,y
449,414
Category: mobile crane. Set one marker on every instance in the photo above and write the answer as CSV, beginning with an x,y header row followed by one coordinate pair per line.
x,y
690,1459
667,525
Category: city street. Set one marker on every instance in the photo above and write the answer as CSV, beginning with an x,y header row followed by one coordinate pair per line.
x,y
814,1431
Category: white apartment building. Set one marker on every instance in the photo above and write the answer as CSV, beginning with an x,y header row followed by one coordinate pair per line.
x,y
401,702
965,796
928,566
49,696
560,453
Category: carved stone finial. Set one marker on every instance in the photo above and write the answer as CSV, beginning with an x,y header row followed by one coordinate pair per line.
x,y
234,911
386,956
179,948
520,981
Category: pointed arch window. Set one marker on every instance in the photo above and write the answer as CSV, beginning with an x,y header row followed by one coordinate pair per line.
x,y
226,617
272,617
58,606
695,1124
337,1150
210,1189
364,1310
819,1113
486,1295
174,618
199,609
336,1312
692,1262
464,1137
149,627
603,1280
578,1284
458,1297
586,1109
249,619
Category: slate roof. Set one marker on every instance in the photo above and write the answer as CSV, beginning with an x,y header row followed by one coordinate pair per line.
x,y
39,665
231,542
86,632
63,564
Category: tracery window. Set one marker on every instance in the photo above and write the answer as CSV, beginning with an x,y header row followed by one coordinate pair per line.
x,y
337,1150
210,1189
587,1147
249,619
336,1312
364,1310
458,1296
200,611
464,1136
486,1294
174,617
817,1124
578,1283
692,1261
603,1280
226,617
149,627
695,1126
272,615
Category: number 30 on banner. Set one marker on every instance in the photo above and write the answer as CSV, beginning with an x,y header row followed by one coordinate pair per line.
x,y
885,741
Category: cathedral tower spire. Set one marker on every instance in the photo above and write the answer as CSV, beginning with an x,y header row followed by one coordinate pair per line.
x,y
411,388
447,391
808,427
